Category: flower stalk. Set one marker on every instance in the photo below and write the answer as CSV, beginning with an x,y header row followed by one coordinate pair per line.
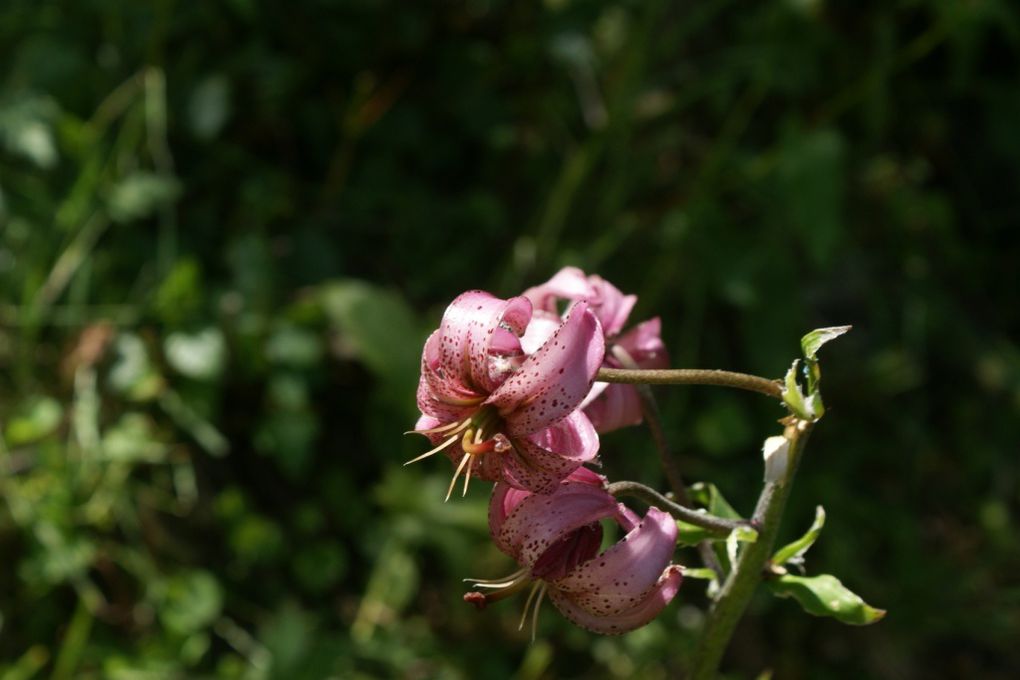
x,y
692,376
652,497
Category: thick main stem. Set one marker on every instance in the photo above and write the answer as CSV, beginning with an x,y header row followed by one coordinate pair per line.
x,y
747,573
692,376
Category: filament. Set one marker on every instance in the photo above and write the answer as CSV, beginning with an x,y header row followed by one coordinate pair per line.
x,y
433,451
463,462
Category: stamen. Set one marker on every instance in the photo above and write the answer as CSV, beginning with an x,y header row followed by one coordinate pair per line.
x,y
498,583
527,605
436,430
463,462
534,612
467,478
433,451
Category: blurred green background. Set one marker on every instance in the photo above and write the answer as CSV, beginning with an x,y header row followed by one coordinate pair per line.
x,y
225,229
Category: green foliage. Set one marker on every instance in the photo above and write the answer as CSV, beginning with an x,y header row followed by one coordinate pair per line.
x,y
796,549
826,596
226,229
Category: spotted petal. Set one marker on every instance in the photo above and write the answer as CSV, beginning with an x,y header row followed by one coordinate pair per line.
x,y
643,343
612,306
555,379
466,336
635,615
540,521
506,497
617,406
620,576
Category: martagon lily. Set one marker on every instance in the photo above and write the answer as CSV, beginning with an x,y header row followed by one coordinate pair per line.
x,y
609,407
556,539
501,414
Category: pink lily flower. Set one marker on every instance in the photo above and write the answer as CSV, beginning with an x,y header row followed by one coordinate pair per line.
x,y
556,540
501,414
609,407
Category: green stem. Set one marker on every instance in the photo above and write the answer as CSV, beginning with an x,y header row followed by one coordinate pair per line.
x,y
740,585
719,525
692,376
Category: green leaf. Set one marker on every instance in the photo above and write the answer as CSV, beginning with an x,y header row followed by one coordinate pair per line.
x,y
200,355
793,396
26,129
814,340
825,595
140,194
379,326
703,573
132,440
35,419
709,496
797,548
689,534
209,106
736,537
190,602
132,373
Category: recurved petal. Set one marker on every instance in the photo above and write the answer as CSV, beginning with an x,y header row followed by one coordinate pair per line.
x,y
634,616
539,521
612,306
643,343
569,283
466,335
540,461
502,502
618,406
430,405
542,327
618,578
506,497
555,379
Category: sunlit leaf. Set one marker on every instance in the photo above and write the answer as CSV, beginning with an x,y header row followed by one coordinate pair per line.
x,y
132,440
814,340
140,194
190,601
796,549
709,496
35,419
200,355
825,596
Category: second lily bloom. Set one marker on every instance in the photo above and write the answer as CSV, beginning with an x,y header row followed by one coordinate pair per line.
x,y
609,407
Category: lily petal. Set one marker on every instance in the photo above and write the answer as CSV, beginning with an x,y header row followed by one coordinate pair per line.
x,y
502,502
618,406
505,498
540,521
620,576
611,305
431,404
542,327
569,283
539,462
644,344
555,379
639,613
466,334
